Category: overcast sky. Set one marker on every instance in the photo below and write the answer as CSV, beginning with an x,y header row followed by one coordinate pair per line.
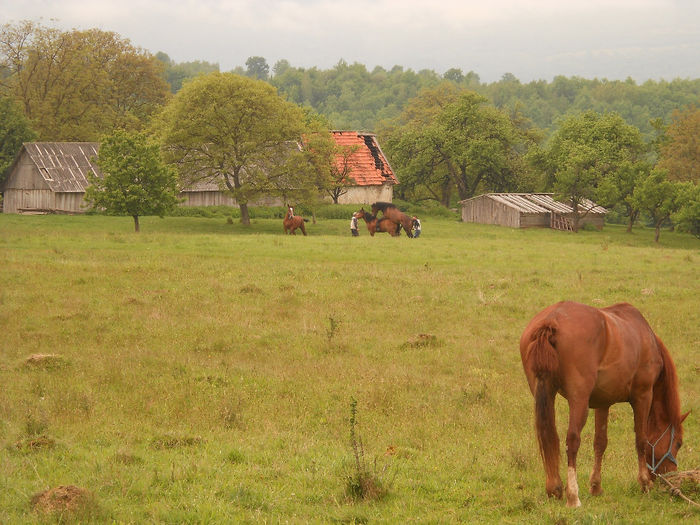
x,y
532,39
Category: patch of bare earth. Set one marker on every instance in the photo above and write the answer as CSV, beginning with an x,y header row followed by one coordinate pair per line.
x,y
64,498
45,361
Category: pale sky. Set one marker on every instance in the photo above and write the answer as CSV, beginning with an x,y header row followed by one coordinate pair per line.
x,y
532,39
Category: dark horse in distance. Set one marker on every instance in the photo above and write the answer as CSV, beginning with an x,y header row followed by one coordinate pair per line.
x,y
375,225
291,222
596,357
391,212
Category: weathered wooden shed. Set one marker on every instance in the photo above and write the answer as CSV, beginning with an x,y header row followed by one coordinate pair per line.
x,y
49,177
527,210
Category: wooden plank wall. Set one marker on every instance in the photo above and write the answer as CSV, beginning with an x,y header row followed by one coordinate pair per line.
x,y
488,211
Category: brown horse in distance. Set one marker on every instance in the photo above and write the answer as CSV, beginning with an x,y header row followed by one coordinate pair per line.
x,y
292,222
596,357
391,212
378,225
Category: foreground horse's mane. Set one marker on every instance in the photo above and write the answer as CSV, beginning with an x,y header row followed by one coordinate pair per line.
x,y
667,386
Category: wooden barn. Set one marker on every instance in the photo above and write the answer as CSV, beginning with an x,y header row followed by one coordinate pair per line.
x,y
527,210
368,167
49,177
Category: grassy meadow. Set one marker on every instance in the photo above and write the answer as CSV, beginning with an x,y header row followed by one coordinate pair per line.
x,y
204,372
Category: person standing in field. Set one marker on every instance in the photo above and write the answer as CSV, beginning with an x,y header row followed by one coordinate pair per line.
x,y
353,226
416,227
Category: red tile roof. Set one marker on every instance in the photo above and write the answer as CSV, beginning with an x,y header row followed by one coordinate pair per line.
x,y
368,165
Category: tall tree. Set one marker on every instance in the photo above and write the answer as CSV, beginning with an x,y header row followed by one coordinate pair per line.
x,y
78,85
257,68
658,197
688,215
14,130
135,181
586,149
177,73
235,131
680,148
465,144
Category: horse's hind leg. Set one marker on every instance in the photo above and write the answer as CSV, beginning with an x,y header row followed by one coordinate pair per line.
x,y
578,412
303,229
600,442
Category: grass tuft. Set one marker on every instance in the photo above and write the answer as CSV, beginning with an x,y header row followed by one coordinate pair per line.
x,y
167,441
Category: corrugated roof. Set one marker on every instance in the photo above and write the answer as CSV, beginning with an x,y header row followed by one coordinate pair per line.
x,y
64,165
538,203
368,165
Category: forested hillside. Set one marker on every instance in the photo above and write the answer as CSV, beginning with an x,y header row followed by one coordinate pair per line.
x,y
352,97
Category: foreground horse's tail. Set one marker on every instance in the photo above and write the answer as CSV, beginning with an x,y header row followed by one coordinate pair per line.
x,y
543,360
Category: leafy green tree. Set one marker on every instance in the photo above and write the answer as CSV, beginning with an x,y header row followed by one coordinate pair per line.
x,y
618,188
135,181
688,215
586,149
659,198
235,131
78,85
465,144
177,73
257,68
14,130
680,149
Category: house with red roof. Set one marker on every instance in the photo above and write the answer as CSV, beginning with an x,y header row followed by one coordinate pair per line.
x,y
369,177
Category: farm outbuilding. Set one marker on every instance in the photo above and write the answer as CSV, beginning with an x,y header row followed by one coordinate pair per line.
x,y
49,177
527,210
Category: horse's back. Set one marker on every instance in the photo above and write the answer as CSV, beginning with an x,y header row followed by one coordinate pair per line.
x,y
610,350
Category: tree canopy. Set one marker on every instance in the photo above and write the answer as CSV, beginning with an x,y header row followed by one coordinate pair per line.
x,y
235,131
680,148
587,149
453,139
135,181
78,85
14,130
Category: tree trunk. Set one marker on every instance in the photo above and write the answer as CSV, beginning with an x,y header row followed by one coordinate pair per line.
x,y
245,217
136,223
446,193
657,232
632,214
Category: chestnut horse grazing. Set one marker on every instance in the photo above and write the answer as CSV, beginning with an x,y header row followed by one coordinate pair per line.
x,y
292,222
395,215
594,358
378,225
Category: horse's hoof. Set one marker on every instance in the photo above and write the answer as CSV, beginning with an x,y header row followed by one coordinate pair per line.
x,y
556,492
573,503
596,489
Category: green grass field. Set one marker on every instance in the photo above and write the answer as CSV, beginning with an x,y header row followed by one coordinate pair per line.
x,y
205,371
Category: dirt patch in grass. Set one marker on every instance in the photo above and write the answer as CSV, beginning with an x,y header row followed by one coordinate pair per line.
x,y
35,444
62,499
45,361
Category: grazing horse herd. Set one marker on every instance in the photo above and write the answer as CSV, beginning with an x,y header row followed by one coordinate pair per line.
x,y
391,222
594,358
